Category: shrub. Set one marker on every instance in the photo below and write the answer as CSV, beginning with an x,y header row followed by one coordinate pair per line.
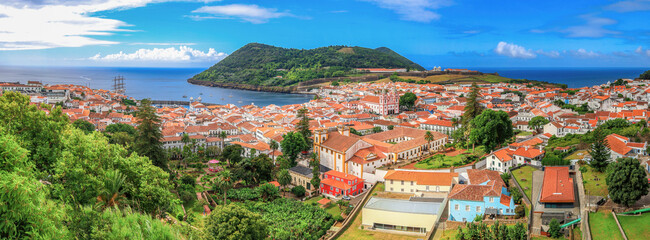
x,y
554,228
299,191
520,211
338,218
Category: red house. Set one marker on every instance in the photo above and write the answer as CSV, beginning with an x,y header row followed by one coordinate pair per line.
x,y
337,183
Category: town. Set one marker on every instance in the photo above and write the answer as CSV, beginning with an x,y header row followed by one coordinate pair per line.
x,y
402,159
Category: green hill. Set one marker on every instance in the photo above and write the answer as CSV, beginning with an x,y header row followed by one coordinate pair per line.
x,y
265,65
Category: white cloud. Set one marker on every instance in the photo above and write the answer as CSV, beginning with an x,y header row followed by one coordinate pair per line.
x,y
642,51
594,27
629,6
582,53
414,10
42,24
514,51
162,44
172,54
551,54
250,13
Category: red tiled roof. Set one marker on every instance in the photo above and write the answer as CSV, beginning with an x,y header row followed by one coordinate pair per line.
x,y
422,178
336,184
557,186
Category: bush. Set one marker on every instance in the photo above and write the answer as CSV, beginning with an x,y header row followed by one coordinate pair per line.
x,y
299,191
338,218
516,195
243,194
347,211
520,211
554,229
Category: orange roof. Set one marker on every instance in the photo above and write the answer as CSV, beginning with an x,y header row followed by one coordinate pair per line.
x,y
557,186
275,183
422,178
336,184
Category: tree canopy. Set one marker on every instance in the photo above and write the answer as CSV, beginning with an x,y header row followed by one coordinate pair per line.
x,y
537,122
233,222
292,144
149,135
407,100
627,181
83,125
491,129
645,75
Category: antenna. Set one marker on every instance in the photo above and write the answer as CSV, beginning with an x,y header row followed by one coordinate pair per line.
x,y
118,85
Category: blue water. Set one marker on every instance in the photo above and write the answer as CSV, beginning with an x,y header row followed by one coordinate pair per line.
x,y
153,83
573,77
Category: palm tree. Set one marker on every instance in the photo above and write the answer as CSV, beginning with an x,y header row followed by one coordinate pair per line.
x,y
429,138
274,146
224,182
223,135
111,193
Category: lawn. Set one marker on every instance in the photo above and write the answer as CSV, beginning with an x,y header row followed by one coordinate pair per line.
x,y
524,133
331,209
603,226
449,234
635,226
577,155
445,161
354,232
524,176
594,187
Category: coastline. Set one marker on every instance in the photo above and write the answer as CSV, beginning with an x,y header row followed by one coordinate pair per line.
x,y
277,89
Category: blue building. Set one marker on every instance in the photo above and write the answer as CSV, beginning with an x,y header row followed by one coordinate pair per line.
x,y
484,194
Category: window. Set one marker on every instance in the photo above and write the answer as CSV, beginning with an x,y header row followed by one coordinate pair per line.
x,y
507,210
402,182
402,189
467,208
427,188
411,183
491,199
411,189
464,219
456,207
391,189
478,208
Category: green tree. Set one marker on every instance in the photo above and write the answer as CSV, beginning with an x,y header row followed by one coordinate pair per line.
x,y
645,75
303,127
268,191
599,151
299,191
554,228
537,123
315,170
127,224
223,183
407,100
391,127
85,126
149,135
36,131
232,222
232,154
472,108
26,212
223,135
284,178
491,129
376,129
428,136
274,146
263,167
627,182
292,144
335,83
520,211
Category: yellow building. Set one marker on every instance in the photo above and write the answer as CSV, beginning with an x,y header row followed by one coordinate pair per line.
x,y
403,216
419,181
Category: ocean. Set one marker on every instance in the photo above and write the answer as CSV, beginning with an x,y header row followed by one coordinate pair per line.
x,y
573,77
171,83
153,83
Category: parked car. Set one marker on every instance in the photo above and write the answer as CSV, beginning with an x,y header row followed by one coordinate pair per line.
x,y
346,197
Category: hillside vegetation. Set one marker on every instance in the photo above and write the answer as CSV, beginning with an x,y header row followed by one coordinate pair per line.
x,y
265,65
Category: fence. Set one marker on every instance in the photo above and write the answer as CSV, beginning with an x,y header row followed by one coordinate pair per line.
x,y
441,212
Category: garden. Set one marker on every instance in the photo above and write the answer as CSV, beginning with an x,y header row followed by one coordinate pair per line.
x,y
635,226
455,159
291,219
524,177
603,226
594,181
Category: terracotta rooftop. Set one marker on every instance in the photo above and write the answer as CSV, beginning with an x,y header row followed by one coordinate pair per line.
x,y
557,186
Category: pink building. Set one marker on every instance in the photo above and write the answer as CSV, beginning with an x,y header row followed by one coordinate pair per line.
x,y
384,104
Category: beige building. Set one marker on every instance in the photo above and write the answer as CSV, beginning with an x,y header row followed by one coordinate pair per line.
x,y
418,181
301,176
356,155
397,215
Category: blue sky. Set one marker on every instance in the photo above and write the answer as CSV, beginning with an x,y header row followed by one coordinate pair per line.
x,y
198,33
